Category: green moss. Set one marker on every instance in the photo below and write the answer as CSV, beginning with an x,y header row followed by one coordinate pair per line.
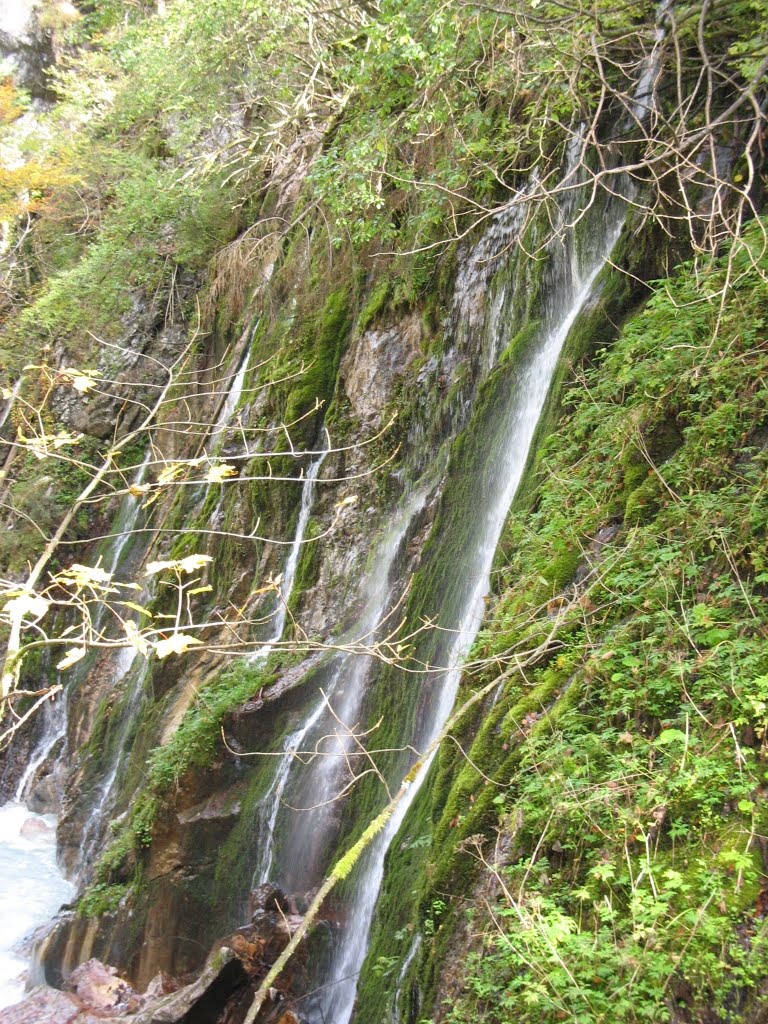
x,y
375,306
100,899
324,338
197,739
643,502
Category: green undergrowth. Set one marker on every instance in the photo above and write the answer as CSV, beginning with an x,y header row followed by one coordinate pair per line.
x,y
600,848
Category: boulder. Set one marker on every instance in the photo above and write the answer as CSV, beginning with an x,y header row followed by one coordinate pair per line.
x,y
99,988
35,827
203,1000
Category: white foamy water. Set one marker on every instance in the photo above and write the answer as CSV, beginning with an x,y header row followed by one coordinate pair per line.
x,y
31,890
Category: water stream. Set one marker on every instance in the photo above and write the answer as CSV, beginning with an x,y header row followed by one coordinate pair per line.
x,y
571,274
316,777
32,888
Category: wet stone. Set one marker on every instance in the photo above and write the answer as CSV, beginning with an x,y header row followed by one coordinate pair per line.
x,y
99,988
43,1006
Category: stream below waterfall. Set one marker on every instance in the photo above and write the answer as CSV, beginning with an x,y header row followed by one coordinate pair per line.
x,y
32,888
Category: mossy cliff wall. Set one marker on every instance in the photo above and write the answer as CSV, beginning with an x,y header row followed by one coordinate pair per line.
x,y
377,240
594,800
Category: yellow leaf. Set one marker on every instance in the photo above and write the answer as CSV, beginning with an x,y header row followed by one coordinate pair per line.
x,y
80,380
135,638
219,473
171,472
176,469
26,605
138,490
201,590
188,564
86,574
176,644
136,607
351,499
71,657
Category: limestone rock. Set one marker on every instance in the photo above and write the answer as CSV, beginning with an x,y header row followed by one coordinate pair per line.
x,y
26,45
372,365
201,1001
35,827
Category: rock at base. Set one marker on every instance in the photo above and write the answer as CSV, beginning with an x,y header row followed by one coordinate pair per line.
x,y
99,988
43,1006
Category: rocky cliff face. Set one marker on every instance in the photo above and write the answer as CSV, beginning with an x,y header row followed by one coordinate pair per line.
x,y
164,895
371,417
24,45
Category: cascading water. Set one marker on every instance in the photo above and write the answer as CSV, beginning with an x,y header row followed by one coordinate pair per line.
x,y
125,522
54,729
135,683
127,666
570,277
317,779
233,397
219,430
31,890
123,664
32,886
289,572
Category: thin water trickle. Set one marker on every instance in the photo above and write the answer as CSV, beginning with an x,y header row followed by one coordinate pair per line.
x,y
409,958
317,780
95,822
232,400
292,562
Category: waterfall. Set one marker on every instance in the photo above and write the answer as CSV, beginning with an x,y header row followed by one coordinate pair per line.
x,y
571,276
127,666
321,734
233,397
289,572
55,728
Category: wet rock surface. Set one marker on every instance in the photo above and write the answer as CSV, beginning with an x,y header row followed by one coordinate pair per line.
x,y
48,1006
220,994
27,48
100,988
374,363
